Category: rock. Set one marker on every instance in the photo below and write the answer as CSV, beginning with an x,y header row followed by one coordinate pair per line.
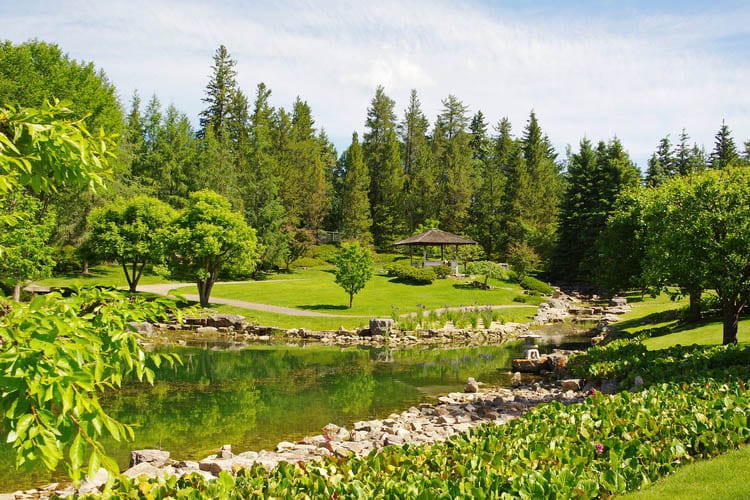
x,y
472,385
157,458
143,327
515,380
557,304
618,301
91,484
225,320
143,469
571,384
609,386
381,326
206,329
637,381
225,452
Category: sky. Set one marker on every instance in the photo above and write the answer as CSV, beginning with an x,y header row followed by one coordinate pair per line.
x,y
637,70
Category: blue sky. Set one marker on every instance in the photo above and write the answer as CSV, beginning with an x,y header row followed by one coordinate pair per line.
x,y
638,70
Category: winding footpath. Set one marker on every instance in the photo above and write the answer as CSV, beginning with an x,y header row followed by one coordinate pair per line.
x,y
166,288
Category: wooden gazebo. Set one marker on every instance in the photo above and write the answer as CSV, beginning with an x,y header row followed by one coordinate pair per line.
x,y
434,238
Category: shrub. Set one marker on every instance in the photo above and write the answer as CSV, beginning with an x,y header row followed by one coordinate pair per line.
x,y
326,253
534,285
442,271
411,275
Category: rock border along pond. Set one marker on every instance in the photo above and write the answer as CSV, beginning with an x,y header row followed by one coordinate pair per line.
x,y
427,423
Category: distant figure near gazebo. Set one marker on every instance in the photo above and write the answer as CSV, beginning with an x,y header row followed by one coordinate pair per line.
x,y
435,238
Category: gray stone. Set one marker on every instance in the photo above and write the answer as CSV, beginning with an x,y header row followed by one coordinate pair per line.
x,y
618,301
472,385
610,386
157,458
225,452
206,329
637,381
144,328
225,320
143,469
515,380
571,384
381,326
91,484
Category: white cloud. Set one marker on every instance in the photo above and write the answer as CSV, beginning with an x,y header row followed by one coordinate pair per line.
x,y
639,76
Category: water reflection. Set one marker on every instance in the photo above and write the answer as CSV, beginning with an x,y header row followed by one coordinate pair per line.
x,y
258,395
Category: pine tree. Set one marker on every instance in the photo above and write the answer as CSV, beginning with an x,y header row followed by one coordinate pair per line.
x,y
382,155
355,204
420,193
725,153
453,155
219,93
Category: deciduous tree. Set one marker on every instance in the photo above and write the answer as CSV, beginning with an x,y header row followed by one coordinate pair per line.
x,y
132,233
207,236
353,268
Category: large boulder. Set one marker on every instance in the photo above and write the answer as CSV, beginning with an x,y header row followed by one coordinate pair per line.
x,y
226,320
157,458
381,326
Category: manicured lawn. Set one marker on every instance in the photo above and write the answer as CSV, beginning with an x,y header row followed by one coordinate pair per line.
x,y
704,333
725,476
315,290
101,276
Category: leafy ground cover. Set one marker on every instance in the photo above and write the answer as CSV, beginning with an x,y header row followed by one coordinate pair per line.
x,y
694,405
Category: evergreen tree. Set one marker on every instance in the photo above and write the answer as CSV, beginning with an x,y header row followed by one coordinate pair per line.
x,y
595,178
725,153
355,205
309,198
661,165
453,155
488,210
480,142
688,159
264,210
534,191
420,195
382,155
219,93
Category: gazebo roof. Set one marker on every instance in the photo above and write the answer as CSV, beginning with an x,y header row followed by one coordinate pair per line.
x,y
435,237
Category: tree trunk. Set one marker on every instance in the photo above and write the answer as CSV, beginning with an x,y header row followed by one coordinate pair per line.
x,y
694,309
204,291
85,267
17,292
351,299
731,309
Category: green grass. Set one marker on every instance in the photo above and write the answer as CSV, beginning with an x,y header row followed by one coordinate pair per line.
x,y
101,276
725,476
703,333
315,290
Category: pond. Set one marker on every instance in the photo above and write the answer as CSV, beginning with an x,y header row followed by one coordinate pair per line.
x,y
258,395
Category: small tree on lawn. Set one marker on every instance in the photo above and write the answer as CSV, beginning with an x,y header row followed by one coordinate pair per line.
x,y
206,236
353,268
130,232
488,270
523,259
299,241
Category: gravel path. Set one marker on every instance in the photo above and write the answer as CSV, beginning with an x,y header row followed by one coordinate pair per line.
x,y
165,288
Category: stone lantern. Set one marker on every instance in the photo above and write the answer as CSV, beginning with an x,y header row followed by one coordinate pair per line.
x,y
531,350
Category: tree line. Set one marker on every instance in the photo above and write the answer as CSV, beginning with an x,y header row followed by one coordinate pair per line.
x,y
514,194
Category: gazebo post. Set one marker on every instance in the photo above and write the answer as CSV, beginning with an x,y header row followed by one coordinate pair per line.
x,y
424,256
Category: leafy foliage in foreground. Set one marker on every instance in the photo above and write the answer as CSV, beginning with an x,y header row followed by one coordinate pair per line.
x,y
605,446
58,354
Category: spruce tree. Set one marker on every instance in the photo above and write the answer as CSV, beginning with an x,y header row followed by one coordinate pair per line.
x,y
534,192
420,194
488,209
220,91
661,165
355,204
725,153
453,156
382,155
688,159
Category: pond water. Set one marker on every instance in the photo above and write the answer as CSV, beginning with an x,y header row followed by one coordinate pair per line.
x,y
257,395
